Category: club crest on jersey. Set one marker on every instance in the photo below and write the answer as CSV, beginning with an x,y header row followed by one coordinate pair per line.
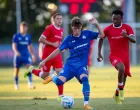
x,y
84,37
61,33
26,38
123,30
19,38
73,41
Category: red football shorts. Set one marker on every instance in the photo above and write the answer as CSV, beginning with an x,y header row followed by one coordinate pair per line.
x,y
115,60
55,63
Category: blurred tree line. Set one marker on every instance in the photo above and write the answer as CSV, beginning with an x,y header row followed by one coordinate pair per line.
x,y
36,14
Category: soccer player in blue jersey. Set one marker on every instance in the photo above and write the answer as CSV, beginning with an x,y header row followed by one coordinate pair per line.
x,y
78,44
23,53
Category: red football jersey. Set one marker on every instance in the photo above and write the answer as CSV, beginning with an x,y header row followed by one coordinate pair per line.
x,y
51,34
119,45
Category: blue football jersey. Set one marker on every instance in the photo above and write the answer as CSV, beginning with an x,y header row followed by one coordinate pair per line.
x,y
78,47
22,43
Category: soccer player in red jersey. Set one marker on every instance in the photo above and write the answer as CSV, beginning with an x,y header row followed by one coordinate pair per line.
x,y
119,35
51,39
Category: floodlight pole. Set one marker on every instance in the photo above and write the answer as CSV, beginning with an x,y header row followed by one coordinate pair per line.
x,y
18,14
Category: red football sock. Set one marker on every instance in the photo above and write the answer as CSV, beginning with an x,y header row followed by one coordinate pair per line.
x,y
60,90
117,92
36,72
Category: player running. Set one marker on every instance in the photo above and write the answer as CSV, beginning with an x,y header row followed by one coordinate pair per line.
x,y
51,39
22,47
78,44
119,35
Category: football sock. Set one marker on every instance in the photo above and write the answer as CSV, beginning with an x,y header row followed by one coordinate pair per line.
x,y
120,86
117,92
36,72
30,79
60,90
86,89
16,80
57,81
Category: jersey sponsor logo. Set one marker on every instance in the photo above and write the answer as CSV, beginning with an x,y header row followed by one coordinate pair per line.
x,y
60,37
79,46
124,30
83,37
23,43
117,37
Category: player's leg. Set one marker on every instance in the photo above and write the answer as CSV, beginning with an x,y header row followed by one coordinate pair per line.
x,y
17,63
82,76
16,78
38,72
58,65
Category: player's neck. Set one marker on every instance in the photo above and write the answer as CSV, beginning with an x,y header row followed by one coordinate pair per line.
x,y
117,26
57,26
23,34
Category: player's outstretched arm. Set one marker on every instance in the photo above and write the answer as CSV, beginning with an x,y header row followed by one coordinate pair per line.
x,y
100,44
44,41
95,22
52,55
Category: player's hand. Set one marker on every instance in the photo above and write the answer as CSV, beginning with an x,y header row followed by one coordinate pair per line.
x,y
100,58
41,64
17,54
93,21
124,33
55,44
33,58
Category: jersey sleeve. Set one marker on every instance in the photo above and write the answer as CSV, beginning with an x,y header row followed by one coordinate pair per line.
x,y
30,40
46,32
15,40
64,44
129,30
93,35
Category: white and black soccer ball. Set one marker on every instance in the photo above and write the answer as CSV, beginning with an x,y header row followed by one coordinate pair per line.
x,y
67,102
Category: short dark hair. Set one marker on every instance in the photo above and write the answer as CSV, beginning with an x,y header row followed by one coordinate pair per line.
x,y
56,14
76,22
23,23
117,12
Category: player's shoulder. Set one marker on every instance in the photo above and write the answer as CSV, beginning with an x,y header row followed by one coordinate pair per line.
x,y
125,25
109,26
16,35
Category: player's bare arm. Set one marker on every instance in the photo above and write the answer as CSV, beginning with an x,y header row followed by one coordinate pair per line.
x,y
14,47
30,48
44,41
130,37
52,55
95,22
100,44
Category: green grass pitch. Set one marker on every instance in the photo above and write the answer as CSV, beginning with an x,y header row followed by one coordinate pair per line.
x,y
103,82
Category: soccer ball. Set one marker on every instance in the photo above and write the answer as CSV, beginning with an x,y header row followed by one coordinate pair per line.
x,y
67,102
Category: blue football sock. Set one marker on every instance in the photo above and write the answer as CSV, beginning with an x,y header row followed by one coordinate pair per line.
x,y
86,88
30,78
16,79
57,81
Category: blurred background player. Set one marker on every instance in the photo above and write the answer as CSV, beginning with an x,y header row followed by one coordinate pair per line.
x,y
23,53
78,44
119,35
51,39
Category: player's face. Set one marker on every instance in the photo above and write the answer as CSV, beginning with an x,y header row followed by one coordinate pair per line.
x,y
76,30
58,20
117,20
23,29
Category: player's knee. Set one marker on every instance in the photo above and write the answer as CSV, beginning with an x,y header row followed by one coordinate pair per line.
x,y
84,79
121,69
59,82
